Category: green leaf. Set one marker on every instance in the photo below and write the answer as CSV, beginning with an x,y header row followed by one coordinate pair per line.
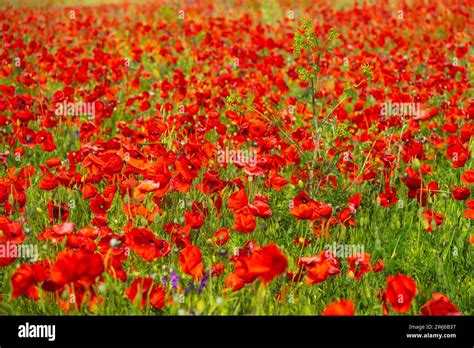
x,y
351,93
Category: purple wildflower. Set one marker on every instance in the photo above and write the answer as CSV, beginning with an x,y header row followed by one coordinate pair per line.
x,y
190,288
204,280
174,280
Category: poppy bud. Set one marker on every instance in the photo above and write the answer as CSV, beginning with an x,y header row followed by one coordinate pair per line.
x,y
102,288
416,164
115,243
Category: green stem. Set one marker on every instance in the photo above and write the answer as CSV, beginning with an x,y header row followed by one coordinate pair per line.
x,y
314,81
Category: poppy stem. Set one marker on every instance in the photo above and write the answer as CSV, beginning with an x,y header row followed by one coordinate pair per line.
x,y
314,80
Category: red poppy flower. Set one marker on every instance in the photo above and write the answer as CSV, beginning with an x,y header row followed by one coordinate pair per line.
x,y
217,269
195,218
265,263
89,191
57,232
339,308
354,201
439,305
26,278
78,242
11,231
188,168
379,266
303,207
190,260
433,219
56,212
319,267
99,205
211,182
220,237
237,200
146,245
53,162
76,266
389,197
244,220
458,154
180,184
461,193
144,289
400,292
45,139
359,265
50,182
276,182
468,176
113,163
469,212
7,253
345,217
260,207
4,192
234,282
317,273
27,136
144,187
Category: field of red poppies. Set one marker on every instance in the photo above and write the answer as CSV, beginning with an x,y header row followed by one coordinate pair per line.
x,y
236,157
